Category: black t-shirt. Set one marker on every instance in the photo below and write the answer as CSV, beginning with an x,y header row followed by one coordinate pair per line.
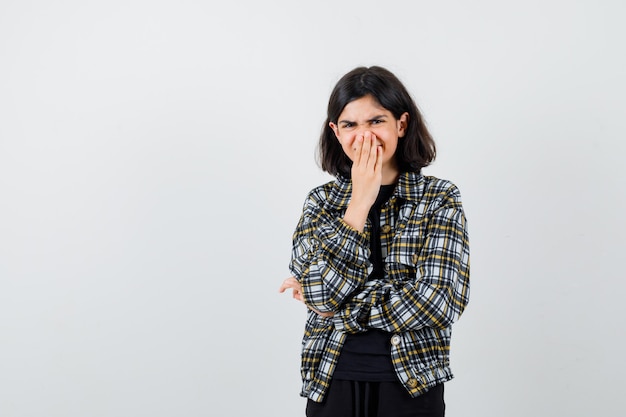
x,y
367,356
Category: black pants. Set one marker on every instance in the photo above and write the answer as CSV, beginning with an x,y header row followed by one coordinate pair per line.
x,y
376,399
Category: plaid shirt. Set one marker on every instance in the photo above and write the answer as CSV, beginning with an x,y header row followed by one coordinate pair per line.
x,y
424,290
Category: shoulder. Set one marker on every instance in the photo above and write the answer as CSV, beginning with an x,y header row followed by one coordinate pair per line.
x,y
321,192
325,196
438,192
417,187
441,187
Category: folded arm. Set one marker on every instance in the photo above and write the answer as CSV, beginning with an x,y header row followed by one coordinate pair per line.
x,y
429,289
330,259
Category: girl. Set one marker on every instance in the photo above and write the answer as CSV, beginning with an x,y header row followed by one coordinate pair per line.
x,y
380,257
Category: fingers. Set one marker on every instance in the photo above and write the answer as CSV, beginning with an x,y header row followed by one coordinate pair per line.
x,y
366,178
357,147
293,284
379,159
372,151
365,151
290,282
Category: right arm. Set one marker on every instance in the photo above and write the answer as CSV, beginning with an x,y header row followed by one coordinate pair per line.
x,y
330,256
330,259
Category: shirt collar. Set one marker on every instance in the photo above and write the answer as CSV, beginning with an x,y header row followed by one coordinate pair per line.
x,y
410,187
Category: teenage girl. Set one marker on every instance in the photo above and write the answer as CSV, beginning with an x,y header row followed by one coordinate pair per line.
x,y
380,258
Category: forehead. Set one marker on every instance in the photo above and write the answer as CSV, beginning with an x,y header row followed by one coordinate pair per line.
x,y
364,107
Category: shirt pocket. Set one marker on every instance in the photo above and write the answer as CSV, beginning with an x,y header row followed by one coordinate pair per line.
x,y
403,258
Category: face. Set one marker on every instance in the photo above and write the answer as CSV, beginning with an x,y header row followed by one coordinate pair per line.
x,y
365,117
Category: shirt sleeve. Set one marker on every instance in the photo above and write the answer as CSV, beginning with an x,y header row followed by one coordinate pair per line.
x,y
434,296
329,258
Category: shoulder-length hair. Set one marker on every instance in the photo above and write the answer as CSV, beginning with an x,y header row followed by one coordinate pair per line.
x,y
415,150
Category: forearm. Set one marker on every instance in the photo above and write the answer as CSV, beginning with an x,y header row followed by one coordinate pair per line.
x,y
410,307
430,290
356,215
331,263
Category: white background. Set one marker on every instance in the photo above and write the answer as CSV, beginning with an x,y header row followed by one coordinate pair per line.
x,y
155,155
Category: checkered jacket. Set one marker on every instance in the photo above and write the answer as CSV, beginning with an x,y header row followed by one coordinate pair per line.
x,y
425,287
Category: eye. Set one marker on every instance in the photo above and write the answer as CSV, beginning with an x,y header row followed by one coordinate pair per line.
x,y
347,125
377,121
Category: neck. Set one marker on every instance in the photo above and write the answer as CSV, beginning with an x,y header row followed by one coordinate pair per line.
x,y
390,176
391,172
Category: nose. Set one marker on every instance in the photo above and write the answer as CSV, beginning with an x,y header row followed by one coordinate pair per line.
x,y
362,131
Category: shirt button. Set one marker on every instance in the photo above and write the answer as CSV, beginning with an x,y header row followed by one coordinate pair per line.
x,y
385,228
412,383
395,340
415,258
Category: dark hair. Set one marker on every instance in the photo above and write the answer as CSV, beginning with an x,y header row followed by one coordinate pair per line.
x,y
416,149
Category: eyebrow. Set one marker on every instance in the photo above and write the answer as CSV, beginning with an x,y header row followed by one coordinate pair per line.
x,y
381,116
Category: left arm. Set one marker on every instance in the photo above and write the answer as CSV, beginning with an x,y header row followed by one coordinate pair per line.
x,y
430,292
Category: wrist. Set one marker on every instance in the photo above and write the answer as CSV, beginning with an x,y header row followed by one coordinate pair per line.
x,y
356,216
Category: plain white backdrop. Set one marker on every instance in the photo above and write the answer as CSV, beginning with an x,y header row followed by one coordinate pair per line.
x,y
155,155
